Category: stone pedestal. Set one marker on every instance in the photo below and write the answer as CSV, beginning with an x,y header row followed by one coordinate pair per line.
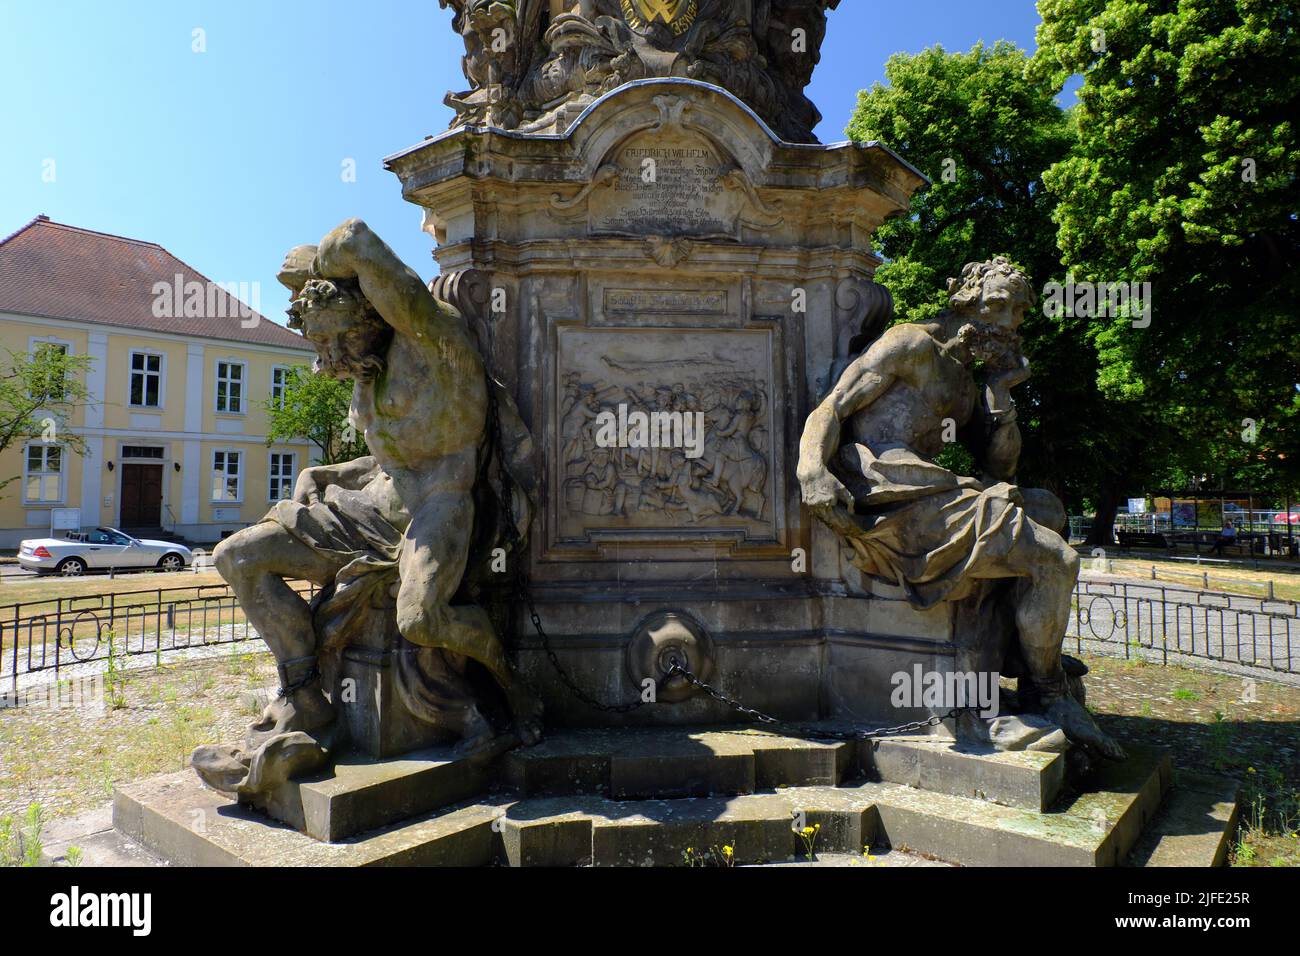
x,y
668,252
372,718
639,797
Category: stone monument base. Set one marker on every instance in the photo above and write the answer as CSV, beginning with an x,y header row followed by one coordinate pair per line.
x,y
624,797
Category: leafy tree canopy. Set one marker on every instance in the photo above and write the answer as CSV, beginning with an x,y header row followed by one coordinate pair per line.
x,y
315,407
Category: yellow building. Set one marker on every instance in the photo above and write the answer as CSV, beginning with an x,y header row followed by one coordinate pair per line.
x,y
175,427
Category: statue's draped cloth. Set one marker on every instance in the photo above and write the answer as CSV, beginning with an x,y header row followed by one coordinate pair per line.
x,y
921,527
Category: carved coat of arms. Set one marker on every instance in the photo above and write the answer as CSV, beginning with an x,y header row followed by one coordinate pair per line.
x,y
677,15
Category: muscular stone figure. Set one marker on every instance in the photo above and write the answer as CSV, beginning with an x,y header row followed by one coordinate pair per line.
x,y
421,396
866,467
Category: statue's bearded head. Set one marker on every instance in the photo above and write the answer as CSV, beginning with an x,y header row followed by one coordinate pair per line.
x,y
987,305
350,337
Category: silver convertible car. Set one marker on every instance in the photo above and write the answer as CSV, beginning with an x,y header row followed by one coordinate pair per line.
x,y
100,550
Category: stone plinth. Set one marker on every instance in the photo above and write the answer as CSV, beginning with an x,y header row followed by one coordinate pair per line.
x,y
617,798
668,251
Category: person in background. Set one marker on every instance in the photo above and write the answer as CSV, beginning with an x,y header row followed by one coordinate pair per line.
x,y
1227,537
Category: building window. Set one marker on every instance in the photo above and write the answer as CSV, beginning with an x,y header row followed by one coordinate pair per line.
x,y
230,388
142,451
146,380
282,475
51,390
279,381
226,479
43,475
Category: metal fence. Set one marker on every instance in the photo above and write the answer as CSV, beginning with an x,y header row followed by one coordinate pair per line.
x,y
1158,622
1152,620
57,634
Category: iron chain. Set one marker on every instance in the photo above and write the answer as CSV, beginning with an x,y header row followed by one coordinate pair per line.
x,y
807,730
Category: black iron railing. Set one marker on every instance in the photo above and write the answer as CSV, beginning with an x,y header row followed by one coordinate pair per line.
x,y
1158,622
58,633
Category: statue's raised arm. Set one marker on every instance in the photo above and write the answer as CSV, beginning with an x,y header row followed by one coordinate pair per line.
x,y
351,251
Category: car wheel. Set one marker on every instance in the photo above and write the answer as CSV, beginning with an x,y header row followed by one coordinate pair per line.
x,y
72,567
171,562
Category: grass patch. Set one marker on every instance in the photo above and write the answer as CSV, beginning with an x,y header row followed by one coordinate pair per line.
x,y
69,759
1233,579
1215,723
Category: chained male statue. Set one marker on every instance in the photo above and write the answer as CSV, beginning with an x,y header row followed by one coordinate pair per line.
x,y
403,523
867,469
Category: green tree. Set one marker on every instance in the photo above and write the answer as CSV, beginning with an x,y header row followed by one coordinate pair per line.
x,y
38,393
1184,176
984,133
315,407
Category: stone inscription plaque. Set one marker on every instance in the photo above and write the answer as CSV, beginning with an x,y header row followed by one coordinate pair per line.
x,y
666,185
666,301
718,475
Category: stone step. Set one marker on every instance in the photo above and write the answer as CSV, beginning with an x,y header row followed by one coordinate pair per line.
x,y
96,842
363,793
1025,779
178,819
1096,828
1194,827
674,762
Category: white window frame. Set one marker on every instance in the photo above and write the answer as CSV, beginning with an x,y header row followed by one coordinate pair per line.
x,y
243,386
283,371
162,378
36,340
271,476
239,475
62,472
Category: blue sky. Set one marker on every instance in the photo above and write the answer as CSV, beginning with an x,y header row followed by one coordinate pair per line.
x,y
230,157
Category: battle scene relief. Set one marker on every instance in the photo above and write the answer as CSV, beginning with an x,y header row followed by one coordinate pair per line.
x,y
650,441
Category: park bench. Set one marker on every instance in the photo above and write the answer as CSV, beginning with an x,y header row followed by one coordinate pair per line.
x,y
1142,539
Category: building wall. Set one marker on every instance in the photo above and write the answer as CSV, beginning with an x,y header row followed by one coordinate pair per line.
x,y
185,425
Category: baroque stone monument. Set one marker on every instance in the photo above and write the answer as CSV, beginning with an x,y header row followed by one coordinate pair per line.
x,y
624,237
651,434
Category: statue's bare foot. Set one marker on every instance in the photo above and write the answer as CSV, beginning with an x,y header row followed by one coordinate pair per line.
x,y
306,710
1011,732
527,712
477,736
1074,719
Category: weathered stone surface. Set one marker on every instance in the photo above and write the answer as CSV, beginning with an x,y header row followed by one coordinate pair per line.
x,y
360,794
176,818
1026,779
190,825
1097,829
397,541
630,764
535,64
1195,825
92,834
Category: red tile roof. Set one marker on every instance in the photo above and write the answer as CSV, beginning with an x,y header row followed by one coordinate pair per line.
x,y
57,271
